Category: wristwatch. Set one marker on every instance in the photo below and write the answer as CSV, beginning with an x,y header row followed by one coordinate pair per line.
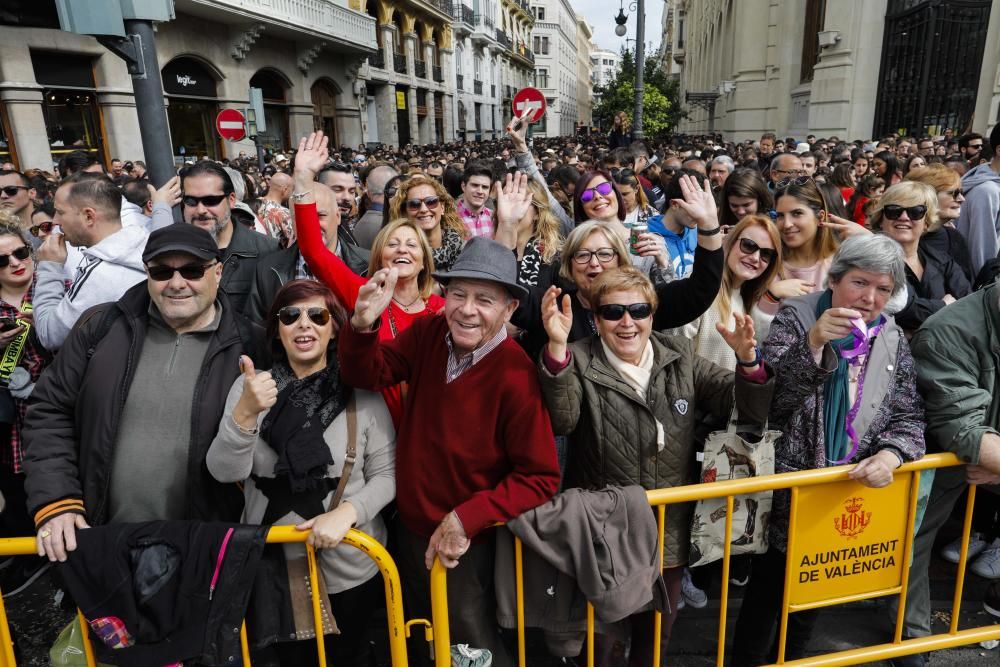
x,y
710,232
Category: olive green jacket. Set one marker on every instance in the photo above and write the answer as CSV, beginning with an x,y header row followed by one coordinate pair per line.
x,y
612,431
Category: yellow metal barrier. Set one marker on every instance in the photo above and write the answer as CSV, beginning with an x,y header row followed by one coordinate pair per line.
x,y
794,481
277,535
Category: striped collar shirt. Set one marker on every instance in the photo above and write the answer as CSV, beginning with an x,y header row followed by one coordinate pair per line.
x,y
459,364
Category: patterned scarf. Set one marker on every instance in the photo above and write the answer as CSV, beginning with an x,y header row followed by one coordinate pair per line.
x,y
294,426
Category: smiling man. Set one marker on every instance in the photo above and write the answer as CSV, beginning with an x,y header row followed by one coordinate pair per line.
x,y
475,438
168,350
477,180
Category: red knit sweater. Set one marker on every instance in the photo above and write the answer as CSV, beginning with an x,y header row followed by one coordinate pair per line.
x,y
481,445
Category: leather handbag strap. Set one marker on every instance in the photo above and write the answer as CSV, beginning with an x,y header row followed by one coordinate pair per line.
x,y
352,452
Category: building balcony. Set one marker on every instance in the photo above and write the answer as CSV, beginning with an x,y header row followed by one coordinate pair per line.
x,y
503,39
464,17
483,31
437,74
399,63
337,27
477,87
679,56
421,109
377,59
421,68
460,80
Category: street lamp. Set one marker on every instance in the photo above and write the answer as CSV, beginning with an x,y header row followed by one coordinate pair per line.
x,y
637,6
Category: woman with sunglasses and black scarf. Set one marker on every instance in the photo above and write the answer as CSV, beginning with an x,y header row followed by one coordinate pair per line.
x,y
425,201
285,434
905,213
626,399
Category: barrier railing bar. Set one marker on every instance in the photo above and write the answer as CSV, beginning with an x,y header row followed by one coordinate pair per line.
x,y
911,517
845,599
590,635
439,615
519,584
786,594
873,654
244,644
316,606
661,529
956,606
7,650
724,593
88,648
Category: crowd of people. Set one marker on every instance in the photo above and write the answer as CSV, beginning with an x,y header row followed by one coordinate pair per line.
x,y
425,342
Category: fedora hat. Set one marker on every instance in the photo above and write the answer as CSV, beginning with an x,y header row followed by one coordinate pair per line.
x,y
485,259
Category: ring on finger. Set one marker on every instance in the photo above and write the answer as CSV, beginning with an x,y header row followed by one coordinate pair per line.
x,y
45,533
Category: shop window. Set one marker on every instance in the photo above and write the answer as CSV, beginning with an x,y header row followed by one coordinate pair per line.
x,y
191,108
273,89
72,117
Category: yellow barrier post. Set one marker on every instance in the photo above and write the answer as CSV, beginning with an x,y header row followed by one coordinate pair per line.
x,y
962,556
522,659
724,593
661,529
911,517
439,614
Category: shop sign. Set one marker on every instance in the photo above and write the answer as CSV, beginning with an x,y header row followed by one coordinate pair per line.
x,y
848,540
400,99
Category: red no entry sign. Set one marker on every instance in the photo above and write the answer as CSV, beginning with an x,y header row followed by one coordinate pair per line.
x,y
230,125
529,103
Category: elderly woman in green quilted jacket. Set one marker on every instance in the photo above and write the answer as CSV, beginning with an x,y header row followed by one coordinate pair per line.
x,y
627,399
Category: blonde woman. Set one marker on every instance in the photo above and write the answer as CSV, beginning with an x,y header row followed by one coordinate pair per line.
x,y
526,225
621,133
944,237
425,201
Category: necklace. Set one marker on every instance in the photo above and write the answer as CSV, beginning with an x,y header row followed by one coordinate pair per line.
x,y
406,306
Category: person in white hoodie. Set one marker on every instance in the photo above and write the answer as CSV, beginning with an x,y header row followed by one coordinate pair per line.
x,y
979,221
88,210
147,207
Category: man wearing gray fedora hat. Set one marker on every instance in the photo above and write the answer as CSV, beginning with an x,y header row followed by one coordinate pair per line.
x,y
475,445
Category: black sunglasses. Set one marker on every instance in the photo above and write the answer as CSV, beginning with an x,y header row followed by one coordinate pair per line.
x,y
792,180
749,247
22,253
955,194
615,311
289,315
893,211
207,200
45,227
163,273
11,190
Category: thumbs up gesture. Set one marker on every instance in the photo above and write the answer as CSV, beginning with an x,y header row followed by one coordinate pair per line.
x,y
260,392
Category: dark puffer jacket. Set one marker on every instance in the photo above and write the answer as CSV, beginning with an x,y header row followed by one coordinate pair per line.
x,y
612,432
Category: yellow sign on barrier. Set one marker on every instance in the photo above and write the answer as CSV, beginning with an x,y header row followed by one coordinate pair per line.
x,y
849,541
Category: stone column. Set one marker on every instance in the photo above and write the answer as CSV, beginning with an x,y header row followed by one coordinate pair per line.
x,y
747,117
410,49
428,51
448,104
27,125
122,123
388,43
385,114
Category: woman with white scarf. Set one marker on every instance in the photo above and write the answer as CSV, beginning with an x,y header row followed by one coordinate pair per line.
x,y
627,399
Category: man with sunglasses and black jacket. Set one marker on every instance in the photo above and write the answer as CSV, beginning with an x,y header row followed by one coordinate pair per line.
x,y
121,422
207,202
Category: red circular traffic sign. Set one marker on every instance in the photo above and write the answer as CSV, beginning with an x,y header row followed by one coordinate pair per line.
x,y
231,125
529,103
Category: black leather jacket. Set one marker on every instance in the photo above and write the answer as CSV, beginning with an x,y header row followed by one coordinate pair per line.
x,y
239,261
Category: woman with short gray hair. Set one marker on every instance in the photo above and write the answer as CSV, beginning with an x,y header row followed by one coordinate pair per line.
x,y
846,394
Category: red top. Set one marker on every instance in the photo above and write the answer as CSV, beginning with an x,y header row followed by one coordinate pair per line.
x,y
345,284
481,445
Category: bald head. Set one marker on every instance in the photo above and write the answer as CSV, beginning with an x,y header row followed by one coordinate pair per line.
x,y
786,165
328,212
375,183
280,187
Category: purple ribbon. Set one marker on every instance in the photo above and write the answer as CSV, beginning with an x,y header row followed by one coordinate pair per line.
x,y
862,346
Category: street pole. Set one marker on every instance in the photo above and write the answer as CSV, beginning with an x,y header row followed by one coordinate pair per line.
x,y
640,64
148,89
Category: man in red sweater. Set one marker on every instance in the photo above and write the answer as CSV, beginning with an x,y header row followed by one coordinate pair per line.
x,y
475,445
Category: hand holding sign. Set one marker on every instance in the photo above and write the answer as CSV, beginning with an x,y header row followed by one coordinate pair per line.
x,y
529,104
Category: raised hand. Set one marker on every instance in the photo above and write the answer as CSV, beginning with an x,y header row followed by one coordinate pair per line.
x,y
373,298
169,193
516,130
260,392
844,228
698,202
742,338
513,199
557,316
311,157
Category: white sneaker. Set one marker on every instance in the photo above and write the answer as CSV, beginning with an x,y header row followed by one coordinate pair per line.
x,y
690,593
977,545
987,564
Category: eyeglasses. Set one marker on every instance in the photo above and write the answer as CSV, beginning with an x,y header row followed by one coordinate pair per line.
x,y
954,194
289,315
893,211
604,189
163,273
11,190
207,200
430,202
615,311
749,247
975,145
22,253
785,182
604,255
42,227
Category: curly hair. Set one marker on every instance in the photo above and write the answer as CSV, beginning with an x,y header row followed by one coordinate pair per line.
x,y
449,218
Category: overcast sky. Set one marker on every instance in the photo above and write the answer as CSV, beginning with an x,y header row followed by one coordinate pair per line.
x,y
600,14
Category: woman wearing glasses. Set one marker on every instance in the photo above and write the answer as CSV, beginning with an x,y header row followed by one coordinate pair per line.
x,y
905,213
945,239
17,339
401,245
623,399
425,201
285,434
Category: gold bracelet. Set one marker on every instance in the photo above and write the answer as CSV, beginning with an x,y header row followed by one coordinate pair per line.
x,y
245,431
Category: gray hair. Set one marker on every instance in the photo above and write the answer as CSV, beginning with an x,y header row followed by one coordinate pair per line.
x,y
873,253
377,179
726,162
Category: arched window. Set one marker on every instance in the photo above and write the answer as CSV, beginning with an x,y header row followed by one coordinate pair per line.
x,y
274,87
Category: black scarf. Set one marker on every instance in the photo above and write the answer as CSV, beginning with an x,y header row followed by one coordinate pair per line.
x,y
294,426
